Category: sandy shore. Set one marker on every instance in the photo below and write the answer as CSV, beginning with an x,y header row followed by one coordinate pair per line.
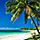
x,y
17,36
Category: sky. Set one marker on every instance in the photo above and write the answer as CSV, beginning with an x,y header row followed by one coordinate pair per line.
x,y
5,18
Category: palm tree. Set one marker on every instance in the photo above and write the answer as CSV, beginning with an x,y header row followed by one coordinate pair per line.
x,y
17,6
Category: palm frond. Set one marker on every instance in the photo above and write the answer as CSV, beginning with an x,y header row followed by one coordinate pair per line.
x,y
13,7
16,14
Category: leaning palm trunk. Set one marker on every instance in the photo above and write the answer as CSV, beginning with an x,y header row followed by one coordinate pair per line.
x,y
35,25
28,13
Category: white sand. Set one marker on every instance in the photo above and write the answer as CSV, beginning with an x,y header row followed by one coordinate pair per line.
x,y
17,36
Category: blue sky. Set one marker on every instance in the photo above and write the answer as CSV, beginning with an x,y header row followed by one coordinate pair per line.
x,y
5,19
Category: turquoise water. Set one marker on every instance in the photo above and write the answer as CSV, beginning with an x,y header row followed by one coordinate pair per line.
x,y
7,33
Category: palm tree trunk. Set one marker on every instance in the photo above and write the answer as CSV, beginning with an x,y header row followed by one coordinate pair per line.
x,y
34,24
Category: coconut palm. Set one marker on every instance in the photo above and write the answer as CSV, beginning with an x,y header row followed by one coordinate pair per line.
x,y
17,6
